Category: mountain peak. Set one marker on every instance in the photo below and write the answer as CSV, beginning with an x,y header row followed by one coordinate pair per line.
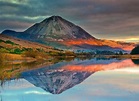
x,y
56,17
56,28
53,18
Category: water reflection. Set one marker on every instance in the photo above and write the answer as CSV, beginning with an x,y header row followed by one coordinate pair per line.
x,y
135,61
64,75
9,71
59,80
55,81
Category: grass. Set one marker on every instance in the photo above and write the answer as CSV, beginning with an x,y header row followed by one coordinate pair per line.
x,y
2,57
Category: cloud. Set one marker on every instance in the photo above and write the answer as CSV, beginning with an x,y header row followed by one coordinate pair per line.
x,y
128,70
13,25
38,92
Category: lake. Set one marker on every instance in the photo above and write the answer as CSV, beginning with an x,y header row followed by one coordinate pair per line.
x,y
76,80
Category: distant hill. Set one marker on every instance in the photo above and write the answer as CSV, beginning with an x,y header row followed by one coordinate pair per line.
x,y
60,33
135,51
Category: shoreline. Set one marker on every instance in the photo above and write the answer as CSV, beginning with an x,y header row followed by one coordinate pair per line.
x,y
119,56
21,59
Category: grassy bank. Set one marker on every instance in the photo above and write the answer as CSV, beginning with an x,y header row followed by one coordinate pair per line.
x,y
30,56
14,58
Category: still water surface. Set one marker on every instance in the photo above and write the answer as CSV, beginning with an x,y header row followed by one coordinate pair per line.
x,y
77,80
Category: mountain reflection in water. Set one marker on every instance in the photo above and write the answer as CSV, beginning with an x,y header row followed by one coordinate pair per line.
x,y
64,75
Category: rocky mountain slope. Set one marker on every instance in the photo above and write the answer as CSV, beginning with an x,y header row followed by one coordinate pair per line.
x,y
60,33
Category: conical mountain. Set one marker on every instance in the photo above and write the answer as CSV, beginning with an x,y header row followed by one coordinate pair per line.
x,y
56,28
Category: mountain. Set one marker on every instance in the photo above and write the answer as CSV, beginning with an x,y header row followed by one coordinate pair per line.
x,y
60,33
54,28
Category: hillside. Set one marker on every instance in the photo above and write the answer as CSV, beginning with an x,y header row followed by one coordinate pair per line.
x,y
14,49
60,33
17,50
20,43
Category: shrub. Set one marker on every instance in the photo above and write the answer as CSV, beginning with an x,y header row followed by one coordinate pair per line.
x,y
40,50
27,49
1,41
31,53
9,42
17,51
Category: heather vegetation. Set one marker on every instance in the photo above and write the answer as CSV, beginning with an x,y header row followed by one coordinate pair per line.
x,y
8,42
17,52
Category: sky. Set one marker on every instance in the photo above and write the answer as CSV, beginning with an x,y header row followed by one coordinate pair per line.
x,y
106,19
